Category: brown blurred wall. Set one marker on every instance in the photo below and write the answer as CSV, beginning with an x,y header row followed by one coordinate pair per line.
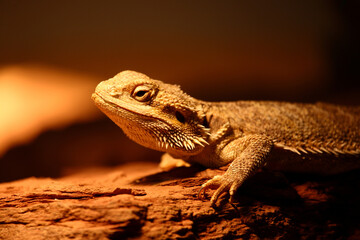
x,y
216,50
285,50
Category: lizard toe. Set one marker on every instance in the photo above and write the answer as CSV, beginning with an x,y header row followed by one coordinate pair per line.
x,y
219,182
212,183
222,189
223,185
234,187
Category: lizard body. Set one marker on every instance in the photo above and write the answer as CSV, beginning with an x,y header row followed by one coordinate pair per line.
x,y
309,138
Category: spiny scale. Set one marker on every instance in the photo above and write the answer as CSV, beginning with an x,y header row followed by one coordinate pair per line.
x,y
321,150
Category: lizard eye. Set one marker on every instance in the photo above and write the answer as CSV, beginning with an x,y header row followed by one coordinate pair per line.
x,y
142,93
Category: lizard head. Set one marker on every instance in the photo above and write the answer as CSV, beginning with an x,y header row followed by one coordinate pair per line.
x,y
154,114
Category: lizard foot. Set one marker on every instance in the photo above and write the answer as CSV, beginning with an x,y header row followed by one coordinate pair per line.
x,y
223,184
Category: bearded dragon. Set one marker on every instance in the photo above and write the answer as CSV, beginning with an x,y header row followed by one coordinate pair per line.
x,y
248,135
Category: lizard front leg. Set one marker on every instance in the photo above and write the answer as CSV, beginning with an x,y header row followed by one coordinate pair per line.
x,y
247,154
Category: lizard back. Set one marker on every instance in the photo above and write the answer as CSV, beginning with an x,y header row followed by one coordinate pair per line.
x,y
312,132
309,126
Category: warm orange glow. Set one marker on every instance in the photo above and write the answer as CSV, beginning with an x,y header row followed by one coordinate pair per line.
x,y
33,99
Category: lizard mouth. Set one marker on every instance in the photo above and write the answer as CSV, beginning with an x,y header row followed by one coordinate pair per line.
x,y
164,142
102,101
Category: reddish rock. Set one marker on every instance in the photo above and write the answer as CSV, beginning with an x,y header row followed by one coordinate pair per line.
x,y
124,203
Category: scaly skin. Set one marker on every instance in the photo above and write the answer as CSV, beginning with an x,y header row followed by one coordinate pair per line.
x,y
310,138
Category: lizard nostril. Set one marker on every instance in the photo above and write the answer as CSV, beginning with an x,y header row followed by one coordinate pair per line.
x,y
114,92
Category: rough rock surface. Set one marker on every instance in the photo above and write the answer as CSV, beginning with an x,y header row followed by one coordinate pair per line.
x,y
138,201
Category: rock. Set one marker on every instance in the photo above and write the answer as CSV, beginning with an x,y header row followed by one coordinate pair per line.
x,y
137,201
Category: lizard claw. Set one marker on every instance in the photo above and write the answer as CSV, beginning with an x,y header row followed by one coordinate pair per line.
x,y
212,183
222,184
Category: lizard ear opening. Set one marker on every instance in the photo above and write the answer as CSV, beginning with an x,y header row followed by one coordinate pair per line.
x,y
205,122
179,117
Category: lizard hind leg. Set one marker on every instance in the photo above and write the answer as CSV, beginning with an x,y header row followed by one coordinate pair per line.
x,y
253,152
168,162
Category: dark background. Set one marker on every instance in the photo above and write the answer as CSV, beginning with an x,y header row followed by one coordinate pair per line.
x,y
297,50
216,50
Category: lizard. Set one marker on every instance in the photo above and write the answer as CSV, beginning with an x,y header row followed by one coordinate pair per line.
x,y
316,138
